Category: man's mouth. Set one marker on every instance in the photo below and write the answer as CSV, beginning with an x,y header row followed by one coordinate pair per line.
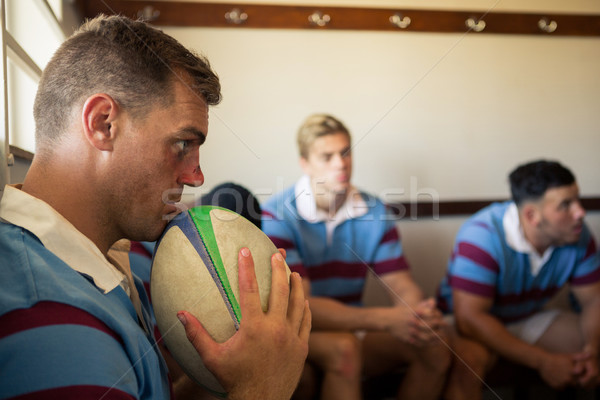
x,y
171,210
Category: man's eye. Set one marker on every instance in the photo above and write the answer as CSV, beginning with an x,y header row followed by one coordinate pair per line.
x,y
182,145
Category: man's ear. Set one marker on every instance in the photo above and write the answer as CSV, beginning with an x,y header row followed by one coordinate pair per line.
x,y
98,114
530,213
304,165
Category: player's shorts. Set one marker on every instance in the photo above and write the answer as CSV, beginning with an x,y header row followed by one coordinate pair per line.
x,y
530,329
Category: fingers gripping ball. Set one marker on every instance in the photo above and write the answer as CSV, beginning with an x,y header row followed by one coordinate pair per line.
x,y
195,268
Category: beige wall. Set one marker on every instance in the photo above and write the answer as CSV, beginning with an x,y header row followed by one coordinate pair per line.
x,y
445,114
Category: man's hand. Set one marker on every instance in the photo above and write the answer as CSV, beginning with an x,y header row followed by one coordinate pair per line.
x,y
265,357
428,324
559,370
401,323
418,326
587,363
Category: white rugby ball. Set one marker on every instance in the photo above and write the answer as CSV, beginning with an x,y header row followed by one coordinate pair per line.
x,y
195,268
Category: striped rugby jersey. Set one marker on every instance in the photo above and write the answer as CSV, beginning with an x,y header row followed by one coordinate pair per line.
x,y
62,335
484,264
335,259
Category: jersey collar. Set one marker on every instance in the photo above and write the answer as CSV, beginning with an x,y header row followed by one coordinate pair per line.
x,y
515,238
59,236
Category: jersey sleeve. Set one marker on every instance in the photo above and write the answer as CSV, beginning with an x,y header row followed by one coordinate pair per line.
x,y
389,256
473,266
282,236
587,270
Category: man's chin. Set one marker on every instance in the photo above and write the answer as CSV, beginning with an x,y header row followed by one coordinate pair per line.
x,y
570,240
341,188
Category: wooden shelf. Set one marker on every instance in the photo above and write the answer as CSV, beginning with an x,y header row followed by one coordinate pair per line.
x,y
20,153
423,210
191,14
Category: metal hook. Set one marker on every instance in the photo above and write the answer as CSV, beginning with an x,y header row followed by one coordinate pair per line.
x,y
148,14
319,19
236,16
475,24
400,21
547,26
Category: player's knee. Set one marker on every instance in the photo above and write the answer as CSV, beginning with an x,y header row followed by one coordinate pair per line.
x,y
438,358
346,359
472,358
433,359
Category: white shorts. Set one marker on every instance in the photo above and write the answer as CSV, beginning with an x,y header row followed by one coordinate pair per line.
x,y
530,329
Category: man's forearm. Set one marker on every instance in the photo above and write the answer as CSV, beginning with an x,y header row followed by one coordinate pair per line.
x,y
590,326
329,314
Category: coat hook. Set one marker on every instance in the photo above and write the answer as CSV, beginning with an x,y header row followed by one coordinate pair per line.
x,y
475,24
400,21
148,14
319,19
547,26
236,16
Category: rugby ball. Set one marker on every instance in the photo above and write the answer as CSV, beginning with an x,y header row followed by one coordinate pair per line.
x,y
195,268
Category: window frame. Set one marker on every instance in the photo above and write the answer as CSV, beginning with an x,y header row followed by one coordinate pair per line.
x,y
11,49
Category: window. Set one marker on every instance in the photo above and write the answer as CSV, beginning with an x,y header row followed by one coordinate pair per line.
x,y
31,31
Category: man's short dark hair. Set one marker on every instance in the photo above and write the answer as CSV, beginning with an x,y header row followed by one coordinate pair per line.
x,y
129,60
529,182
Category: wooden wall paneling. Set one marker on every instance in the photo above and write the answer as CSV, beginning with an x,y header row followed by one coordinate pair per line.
x,y
178,13
428,210
20,153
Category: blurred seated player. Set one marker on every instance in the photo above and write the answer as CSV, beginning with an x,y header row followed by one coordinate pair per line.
x,y
334,234
234,197
509,260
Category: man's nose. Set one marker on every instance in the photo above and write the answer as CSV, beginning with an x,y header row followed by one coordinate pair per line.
x,y
338,160
193,177
578,210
